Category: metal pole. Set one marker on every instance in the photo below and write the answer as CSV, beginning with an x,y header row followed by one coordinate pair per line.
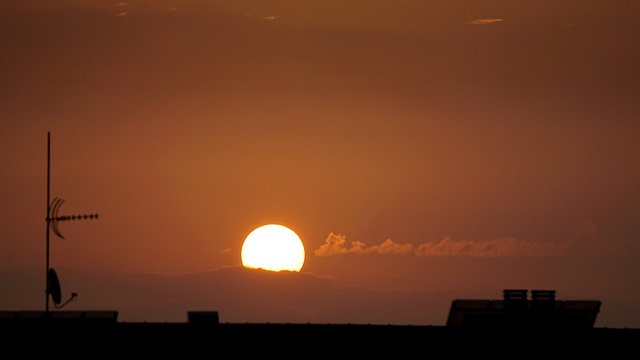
x,y
47,291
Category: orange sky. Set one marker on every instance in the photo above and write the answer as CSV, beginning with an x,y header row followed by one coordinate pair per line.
x,y
422,150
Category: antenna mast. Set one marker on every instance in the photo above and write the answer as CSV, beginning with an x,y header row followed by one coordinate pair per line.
x,y
48,291
52,223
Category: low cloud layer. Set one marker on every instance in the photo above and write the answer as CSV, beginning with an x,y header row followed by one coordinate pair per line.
x,y
581,244
336,244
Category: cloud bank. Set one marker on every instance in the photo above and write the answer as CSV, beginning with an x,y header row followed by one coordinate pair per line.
x,y
580,244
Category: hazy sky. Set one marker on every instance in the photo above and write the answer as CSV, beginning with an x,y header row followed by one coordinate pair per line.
x,y
423,150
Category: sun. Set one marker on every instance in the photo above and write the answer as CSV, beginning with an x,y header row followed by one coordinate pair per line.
x,y
273,247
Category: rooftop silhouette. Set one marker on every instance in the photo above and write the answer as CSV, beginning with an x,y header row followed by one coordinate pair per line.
x,y
539,324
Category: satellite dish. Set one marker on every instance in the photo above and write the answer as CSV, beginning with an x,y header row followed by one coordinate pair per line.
x,y
54,287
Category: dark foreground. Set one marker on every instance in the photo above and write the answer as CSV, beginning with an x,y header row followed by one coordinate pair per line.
x,y
514,327
101,338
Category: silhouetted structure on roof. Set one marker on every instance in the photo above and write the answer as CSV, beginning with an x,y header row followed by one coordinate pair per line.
x,y
516,310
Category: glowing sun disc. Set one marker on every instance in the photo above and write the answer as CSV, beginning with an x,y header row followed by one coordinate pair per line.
x,y
273,247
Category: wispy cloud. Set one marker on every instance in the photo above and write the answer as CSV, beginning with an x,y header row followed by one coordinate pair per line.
x,y
489,248
121,5
266,17
484,21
